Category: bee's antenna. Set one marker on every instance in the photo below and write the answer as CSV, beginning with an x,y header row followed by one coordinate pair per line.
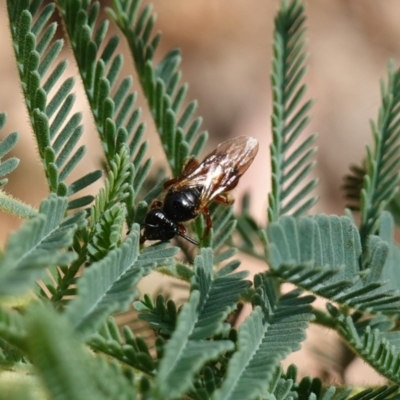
x,y
189,239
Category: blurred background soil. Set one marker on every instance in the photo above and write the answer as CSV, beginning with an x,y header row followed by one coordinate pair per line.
x,y
227,49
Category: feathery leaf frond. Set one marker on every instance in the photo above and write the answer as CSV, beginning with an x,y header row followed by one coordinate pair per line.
x,y
381,176
114,116
56,135
12,327
291,164
37,245
219,292
353,185
8,203
285,387
107,286
322,254
111,99
131,349
160,314
66,374
176,127
108,233
274,329
183,356
6,145
248,230
378,348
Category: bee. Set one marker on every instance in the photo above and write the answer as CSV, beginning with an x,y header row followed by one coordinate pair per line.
x,y
199,184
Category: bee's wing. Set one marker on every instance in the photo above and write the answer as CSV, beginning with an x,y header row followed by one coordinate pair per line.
x,y
222,167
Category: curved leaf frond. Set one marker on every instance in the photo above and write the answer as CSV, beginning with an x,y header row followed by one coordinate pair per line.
x,y
161,84
111,100
285,387
322,254
131,349
38,245
6,145
8,203
183,357
108,233
56,133
291,155
12,327
107,286
353,185
378,348
219,291
380,174
70,374
160,314
274,329
248,230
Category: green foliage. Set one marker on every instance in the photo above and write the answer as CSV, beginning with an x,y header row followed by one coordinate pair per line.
x,y
37,245
176,127
290,164
379,176
70,375
56,135
65,275
185,353
322,254
7,202
274,329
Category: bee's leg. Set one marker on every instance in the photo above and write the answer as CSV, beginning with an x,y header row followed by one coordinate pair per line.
x,y
224,198
181,228
209,224
156,204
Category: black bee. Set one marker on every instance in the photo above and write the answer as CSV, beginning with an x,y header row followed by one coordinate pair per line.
x,y
200,183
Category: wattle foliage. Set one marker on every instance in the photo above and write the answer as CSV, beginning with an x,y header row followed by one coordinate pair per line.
x,y
74,265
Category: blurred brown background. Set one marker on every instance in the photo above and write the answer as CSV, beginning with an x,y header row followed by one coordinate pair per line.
x,y
226,47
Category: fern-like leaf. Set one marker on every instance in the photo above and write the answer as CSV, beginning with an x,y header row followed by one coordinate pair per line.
x,y
107,286
131,349
111,99
177,129
8,203
184,357
219,292
37,245
322,255
353,185
380,175
69,374
12,327
56,135
290,164
6,145
285,387
390,270
274,329
378,348
248,230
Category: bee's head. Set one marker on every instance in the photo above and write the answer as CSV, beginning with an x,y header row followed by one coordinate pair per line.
x,y
157,226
